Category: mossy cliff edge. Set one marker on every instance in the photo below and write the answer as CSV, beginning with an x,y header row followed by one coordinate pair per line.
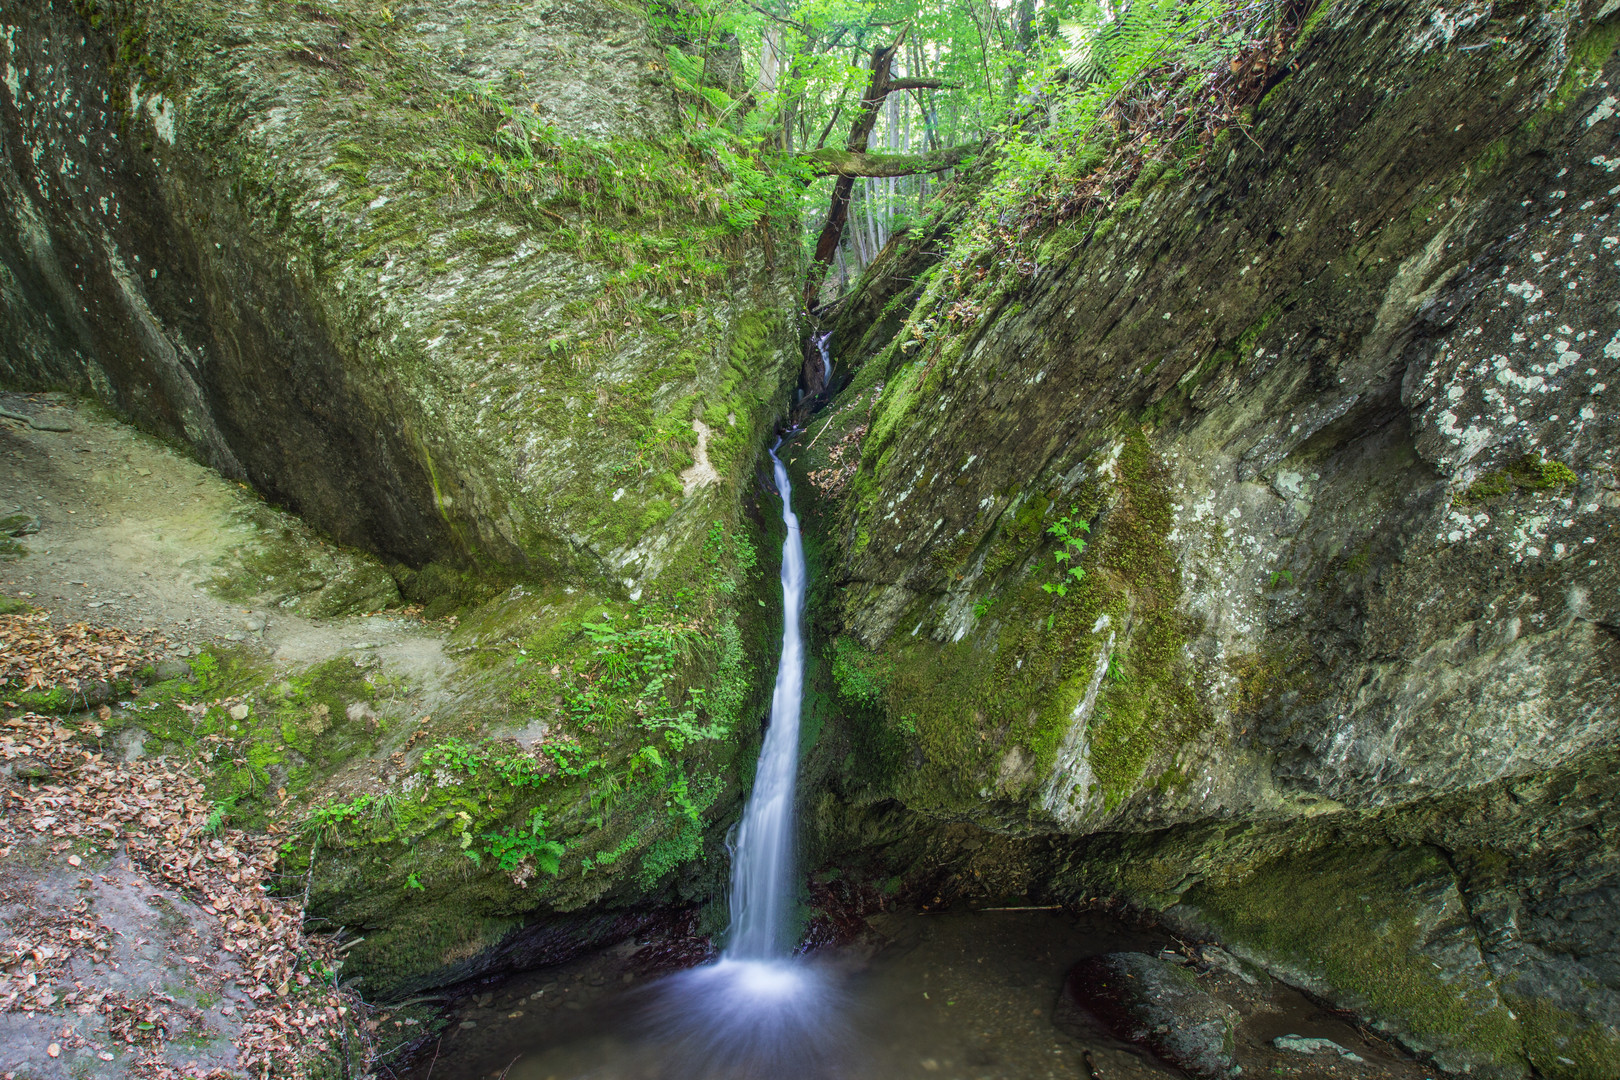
x,y
455,290
1322,414
460,293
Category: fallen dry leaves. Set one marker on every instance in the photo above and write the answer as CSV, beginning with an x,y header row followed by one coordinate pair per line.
x,y
157,811
843,458
35,655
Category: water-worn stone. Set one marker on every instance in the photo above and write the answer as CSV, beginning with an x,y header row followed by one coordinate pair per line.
x,y
1160,1006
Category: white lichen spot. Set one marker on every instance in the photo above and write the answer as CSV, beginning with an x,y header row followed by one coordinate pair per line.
x,y
163,117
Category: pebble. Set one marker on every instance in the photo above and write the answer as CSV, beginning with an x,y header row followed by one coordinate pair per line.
x,y
239,711
255,623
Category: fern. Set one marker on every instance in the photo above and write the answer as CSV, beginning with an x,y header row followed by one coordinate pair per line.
x,y
1112,42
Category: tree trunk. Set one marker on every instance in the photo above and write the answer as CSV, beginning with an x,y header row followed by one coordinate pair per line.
x,y
877,88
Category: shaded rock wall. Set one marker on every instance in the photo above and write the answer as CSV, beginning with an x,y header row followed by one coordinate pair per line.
x,y
245,229
1331,402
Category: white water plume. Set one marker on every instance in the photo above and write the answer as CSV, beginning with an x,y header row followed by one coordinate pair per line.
x,y
757,1012
762,880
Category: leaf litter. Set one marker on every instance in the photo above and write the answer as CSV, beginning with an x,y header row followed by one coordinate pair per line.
x,y
65,796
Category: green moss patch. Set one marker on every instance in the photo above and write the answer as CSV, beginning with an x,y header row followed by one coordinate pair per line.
x,y
1364,921
1016,678
1527,474
1563,1046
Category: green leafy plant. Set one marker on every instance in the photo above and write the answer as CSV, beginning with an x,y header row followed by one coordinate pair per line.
x,y
513,847
333,815
1071,545
219,815
414,882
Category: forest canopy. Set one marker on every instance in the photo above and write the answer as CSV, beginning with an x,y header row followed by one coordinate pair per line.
x,y
841,121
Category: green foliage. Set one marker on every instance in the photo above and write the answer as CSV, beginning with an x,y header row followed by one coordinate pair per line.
x,y
718,172
514,847
219,815
1071,545
862,676
330,816
510,766
1075,153
685,802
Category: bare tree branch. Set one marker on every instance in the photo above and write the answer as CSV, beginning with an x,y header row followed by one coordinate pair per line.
x,y
830,161
922,84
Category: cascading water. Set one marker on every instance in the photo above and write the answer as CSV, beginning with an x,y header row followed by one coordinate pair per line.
x,y
761,1013
757,1012
762,886
824,346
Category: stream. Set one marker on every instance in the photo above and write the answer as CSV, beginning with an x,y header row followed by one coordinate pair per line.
x,y
955,994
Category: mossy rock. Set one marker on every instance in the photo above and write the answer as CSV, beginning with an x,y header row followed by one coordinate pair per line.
x,y
1383,932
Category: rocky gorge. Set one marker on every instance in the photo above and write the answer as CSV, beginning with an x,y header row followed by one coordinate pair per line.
x,y
1237,552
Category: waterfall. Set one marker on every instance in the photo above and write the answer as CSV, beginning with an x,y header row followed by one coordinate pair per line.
x,y
824,347
763,888
759,1013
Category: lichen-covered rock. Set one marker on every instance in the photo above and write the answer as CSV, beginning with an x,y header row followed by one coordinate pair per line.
x,y
1321,418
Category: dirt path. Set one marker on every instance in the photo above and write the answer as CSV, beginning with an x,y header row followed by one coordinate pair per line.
x,y
132,534
119,954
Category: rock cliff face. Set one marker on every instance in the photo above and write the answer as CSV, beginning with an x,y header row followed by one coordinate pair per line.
x,y
387,268
1325,417
454,286
1321,415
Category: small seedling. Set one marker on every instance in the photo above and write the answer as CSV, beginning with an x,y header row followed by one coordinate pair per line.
x,y
1067,529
